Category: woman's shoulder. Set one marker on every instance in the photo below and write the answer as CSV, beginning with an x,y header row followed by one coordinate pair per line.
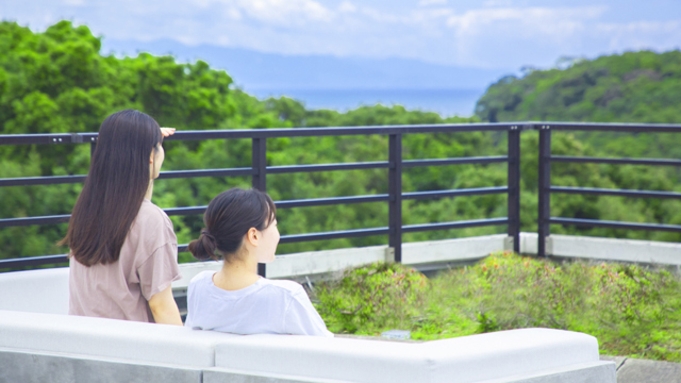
x,y
283,286
152,218
150,212
202,277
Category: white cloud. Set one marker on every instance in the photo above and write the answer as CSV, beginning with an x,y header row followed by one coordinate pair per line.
x,y
425,3
73,2
347,7
534,20
497,3
488,33
636,35
284,11
641,27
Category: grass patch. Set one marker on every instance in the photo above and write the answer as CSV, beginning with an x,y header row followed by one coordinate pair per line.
x,y
633,310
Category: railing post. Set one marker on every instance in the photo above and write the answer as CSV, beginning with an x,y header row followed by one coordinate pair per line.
x,y
543,226
93,146
514,187
395,195
259,163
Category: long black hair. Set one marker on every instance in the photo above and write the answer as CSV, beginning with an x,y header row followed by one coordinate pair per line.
x,y
114,188
228,218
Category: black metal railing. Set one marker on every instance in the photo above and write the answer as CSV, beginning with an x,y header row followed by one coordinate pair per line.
x,y
259,171
546,189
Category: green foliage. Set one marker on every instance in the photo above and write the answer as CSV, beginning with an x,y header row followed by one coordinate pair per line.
x,y
632,310
370,298
632,87
58,81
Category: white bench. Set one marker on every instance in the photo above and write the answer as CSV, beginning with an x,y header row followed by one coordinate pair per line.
x,y
38,347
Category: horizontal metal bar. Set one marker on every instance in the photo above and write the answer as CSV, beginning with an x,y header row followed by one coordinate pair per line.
x,y
191,210
340,131
66,138
454,161
616,127
615,192
454,193
334,235
233,172
69,138
321,236
194,210
48,180
330,201
44,139
33,261
614,224
455,225
630,161
326,167
55,219
27,221
55,180
237,172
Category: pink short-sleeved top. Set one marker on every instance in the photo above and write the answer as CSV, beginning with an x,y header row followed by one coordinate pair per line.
x,y
147,265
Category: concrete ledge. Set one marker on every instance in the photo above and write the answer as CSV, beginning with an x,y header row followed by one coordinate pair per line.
x,y
611,249
598,372
648,371
37,367
456,250
225,375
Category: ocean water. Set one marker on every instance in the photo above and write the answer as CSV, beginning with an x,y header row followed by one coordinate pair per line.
x,y
446,102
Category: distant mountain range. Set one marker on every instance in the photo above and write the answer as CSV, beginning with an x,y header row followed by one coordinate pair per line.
x,y
255,71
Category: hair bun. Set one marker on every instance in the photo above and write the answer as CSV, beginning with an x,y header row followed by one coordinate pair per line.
x,y
205,247
208,235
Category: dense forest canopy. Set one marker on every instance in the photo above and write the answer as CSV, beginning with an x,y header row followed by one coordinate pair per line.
x,y
58,81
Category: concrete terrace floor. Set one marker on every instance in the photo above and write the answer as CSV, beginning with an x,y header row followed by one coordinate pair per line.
x,y
631,370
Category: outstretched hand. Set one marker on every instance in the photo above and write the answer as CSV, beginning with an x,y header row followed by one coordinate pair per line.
x,y
167,132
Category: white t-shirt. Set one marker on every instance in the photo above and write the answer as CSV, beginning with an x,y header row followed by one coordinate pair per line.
x,y
265,307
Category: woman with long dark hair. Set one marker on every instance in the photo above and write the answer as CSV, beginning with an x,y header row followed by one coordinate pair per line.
x,y
241,228
123,250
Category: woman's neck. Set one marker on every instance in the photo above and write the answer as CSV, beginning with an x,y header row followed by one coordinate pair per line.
x,y
237,275
150,190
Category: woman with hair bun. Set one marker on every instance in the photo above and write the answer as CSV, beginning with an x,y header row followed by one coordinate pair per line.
x,y
123,251
241,228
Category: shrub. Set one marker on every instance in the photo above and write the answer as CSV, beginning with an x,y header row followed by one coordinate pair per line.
x,y
633,310
373,298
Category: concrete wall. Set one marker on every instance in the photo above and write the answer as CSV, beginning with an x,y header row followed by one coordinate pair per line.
x,y
326,263
612,249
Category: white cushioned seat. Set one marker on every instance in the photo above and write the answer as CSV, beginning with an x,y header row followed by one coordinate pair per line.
x,y
109,338
466,359
43,291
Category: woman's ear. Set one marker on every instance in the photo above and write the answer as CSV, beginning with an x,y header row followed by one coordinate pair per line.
x,y
252,236
151,156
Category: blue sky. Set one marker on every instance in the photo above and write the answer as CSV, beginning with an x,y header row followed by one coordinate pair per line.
x,y
479,34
